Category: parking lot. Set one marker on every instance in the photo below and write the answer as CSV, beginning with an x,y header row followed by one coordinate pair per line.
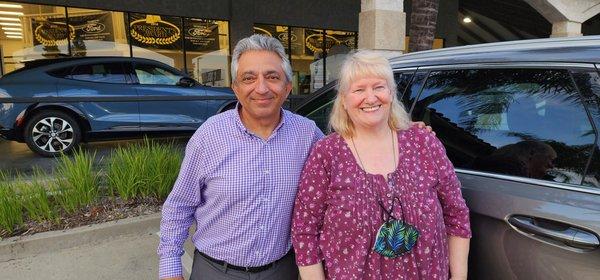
x,y
17,158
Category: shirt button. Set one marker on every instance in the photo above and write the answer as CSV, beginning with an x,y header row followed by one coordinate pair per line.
x,y
261,227
266,171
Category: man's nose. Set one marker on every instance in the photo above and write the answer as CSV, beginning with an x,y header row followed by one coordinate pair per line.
x,y
261,85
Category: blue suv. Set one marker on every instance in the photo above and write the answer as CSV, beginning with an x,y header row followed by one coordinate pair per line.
x,y
54,104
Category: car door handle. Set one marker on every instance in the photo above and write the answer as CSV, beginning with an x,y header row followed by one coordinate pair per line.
x,y
568,235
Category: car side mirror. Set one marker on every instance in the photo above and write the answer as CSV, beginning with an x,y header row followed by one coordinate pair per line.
x,y
186,82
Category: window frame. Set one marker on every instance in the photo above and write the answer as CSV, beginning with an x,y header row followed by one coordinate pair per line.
x,y
136,80
73,67
510,65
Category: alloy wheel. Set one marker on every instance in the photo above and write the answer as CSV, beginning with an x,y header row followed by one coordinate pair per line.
x,y
52,134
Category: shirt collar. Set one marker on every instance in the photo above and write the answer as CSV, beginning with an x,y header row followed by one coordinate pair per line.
x,y
242,127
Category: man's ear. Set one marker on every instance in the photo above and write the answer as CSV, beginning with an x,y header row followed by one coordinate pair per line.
x,y
288,88
234,87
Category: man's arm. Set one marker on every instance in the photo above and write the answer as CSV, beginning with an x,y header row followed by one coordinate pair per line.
x,y
178,212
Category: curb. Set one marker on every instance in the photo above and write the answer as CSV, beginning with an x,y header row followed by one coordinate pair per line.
x,y
26,246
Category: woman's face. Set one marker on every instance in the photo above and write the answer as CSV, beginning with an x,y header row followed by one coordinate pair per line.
x,y
368,102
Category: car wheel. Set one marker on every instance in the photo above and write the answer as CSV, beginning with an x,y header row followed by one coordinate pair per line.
x,y
50,133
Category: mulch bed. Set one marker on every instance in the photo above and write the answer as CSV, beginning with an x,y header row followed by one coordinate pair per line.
x,y
108,209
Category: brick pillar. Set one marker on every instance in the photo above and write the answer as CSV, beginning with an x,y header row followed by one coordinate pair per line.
x,y
382,26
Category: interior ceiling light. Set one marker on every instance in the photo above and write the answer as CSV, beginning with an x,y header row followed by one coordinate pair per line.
x,y
12,33
10,24
11,6
14,36
12,28
467,20
9,19
11,13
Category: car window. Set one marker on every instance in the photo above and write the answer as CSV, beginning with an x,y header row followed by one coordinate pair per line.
x,y
148,74
104,73
522,122
411,92
588,83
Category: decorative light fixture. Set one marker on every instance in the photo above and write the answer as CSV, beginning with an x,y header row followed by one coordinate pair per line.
x,y
14,36
12,28
9,19
467,20
11,6
9,24
12,33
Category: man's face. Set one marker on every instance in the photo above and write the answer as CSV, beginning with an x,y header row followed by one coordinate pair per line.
x,y
261,85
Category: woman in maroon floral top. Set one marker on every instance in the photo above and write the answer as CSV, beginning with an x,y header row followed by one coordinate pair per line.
x,y
373,169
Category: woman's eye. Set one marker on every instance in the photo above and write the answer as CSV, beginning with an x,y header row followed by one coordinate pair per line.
x,y
359,90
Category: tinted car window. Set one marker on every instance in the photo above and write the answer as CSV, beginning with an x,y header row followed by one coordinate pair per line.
x,y
588,83
411,92
522,122
104,73
154,75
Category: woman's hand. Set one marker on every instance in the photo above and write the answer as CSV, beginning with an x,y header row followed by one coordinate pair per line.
x,y
459,257
312,272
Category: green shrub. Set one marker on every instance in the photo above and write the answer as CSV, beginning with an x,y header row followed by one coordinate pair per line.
x,y
77,182
35,198
148,169
11,212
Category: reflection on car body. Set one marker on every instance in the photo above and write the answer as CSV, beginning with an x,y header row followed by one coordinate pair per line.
x,y
520,121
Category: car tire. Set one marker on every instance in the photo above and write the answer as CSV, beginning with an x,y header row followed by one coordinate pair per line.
x,y
52,133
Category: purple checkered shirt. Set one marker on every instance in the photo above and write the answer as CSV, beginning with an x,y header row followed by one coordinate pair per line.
x,y
239,189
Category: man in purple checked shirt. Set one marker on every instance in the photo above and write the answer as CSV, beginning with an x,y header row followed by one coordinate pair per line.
x,y
239,177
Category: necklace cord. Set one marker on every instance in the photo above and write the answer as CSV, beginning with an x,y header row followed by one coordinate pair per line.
x,y
391,211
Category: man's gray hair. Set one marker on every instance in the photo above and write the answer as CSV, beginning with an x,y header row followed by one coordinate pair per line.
x,y
258,42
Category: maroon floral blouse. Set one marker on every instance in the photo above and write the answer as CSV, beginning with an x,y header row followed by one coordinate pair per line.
x,y
336,214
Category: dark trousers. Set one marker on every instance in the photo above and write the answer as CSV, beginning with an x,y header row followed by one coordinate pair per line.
x,y
204,269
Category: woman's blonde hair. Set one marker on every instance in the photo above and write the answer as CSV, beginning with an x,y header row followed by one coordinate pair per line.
x,y
362,64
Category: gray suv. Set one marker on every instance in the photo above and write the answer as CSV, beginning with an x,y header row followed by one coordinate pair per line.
x,y
521,123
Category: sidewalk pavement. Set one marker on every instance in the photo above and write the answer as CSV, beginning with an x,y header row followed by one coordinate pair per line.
x,y
122,250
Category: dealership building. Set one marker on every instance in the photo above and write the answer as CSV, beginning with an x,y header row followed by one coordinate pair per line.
x,y
197,36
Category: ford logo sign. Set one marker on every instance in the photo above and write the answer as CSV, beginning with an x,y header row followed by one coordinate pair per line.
x,y
95,27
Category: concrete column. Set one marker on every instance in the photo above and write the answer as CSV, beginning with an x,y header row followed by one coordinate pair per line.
x,y
566,16
382,26
566,29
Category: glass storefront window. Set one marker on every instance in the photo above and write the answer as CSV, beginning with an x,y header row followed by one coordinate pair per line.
x,y
309,50
207,51
98,33
33,32
158,38
338,44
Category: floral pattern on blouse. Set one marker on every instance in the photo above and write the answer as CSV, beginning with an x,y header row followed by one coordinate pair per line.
x,y
337,215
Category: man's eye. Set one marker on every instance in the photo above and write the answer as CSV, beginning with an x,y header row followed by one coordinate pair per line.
x,y
273,77
358,90
247,79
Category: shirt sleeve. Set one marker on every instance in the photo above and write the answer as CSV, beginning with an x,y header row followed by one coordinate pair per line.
x,y
178,211
309,208
456,213
317,135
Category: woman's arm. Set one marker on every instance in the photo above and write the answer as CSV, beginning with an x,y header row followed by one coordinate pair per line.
x,y
459,255
309,212
312,272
